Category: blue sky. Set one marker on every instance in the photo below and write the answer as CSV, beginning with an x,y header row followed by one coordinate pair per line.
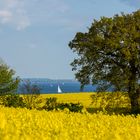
x,y
34,34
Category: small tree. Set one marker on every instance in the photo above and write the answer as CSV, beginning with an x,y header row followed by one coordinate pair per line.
x,y
109,55
8,83
31,93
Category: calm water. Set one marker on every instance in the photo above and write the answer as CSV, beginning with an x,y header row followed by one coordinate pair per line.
x,y
51,86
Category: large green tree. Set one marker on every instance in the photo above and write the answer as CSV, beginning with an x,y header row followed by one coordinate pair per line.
x,y
8,83
109,55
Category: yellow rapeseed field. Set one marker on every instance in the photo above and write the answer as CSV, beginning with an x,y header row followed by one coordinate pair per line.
x,y
23,124
83,98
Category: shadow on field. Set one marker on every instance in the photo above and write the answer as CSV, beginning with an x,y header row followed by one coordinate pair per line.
x,y
110,111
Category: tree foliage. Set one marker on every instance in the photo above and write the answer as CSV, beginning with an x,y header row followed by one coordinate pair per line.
x,y
109,55
31,93
27,87
8,83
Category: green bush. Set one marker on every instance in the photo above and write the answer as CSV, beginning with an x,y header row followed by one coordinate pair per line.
x,y
13,100
51,104
73,107
31,100
77,107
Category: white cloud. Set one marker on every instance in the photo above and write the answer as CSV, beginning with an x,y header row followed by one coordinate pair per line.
x,y
5,13
13,12
19,14
5,16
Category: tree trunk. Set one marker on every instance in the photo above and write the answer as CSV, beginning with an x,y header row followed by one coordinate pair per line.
x,y
134,91
134,98
134,105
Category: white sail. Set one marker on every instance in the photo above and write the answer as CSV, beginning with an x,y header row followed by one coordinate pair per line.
x,y
59,89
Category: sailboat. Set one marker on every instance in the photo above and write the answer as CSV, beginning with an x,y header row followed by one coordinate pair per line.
x,y
59,89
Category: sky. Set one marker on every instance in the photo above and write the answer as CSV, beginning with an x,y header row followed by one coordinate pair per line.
x,y
34,34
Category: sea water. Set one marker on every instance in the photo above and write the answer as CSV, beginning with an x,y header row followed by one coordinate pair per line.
x,y
51,86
